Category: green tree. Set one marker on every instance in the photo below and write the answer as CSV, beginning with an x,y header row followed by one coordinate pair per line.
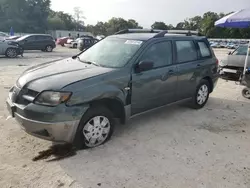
x,y
159,25
180,25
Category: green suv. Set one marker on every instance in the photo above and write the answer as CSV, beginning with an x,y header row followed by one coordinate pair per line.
x,y
133,71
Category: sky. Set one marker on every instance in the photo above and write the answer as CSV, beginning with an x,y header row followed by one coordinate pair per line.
x,y
146,12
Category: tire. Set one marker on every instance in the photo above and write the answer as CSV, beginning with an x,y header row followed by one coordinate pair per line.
x,y
11,53
201,95
86,128
74,45
246,93
48,48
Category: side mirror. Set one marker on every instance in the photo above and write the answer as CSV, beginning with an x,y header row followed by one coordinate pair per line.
x,y
144,66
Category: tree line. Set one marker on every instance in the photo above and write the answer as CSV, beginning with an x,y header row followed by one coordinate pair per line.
x,y
36,16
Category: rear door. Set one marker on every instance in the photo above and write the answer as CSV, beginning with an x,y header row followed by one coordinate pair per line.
x,y
40,42
188,66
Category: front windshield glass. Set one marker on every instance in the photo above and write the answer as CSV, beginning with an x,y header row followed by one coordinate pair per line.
x,y
111,52
21,38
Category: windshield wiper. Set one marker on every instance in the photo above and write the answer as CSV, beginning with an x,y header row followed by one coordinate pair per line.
x,y
88,62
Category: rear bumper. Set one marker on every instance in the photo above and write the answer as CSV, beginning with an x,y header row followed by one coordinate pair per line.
x,y
59,131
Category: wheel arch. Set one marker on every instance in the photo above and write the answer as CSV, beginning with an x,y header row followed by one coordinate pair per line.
x,y
115,105
211,84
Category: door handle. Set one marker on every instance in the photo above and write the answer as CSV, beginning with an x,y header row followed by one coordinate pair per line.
x,y
166,75
198,65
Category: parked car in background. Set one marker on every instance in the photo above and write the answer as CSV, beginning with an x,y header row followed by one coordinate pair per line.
x,y
77,100
3,36
223,45
231,46
12,37
215,45
232,66
10,49
72,43
42,42
86,42
100,37
62,41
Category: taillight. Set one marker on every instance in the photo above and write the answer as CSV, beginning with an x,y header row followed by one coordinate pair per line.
x,y
217,62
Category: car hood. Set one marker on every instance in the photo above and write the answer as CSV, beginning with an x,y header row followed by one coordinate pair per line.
x,y
234,60
58,74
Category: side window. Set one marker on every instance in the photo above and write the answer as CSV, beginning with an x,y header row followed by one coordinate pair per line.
x,y
205,52
48,38
186,51
40,38
160,53
31,38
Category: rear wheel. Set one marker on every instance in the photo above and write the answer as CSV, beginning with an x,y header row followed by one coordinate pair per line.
x,y
49,48
95,128
246,93
11,53
201,95
74,45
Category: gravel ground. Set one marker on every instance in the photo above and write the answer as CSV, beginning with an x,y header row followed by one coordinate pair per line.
x,y
171,147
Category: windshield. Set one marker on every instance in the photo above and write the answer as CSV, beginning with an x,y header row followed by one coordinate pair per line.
x,y
242,50
21,38
111,52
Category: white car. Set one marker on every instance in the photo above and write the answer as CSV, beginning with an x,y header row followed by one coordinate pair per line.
x,y
10,49
71,43
3,36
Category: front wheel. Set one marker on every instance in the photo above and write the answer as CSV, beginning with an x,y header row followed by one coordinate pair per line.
x,y
201,95
246,93
95,128
11,53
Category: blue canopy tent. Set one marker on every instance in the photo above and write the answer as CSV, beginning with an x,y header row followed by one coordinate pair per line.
x,y
11,31
239,19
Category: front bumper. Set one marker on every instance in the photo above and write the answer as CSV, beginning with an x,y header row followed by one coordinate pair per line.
x,y
230,73
60,131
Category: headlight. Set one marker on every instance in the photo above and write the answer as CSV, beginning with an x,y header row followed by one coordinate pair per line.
x,y
52,98
13,43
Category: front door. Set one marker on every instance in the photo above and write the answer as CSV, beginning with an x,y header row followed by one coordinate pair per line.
x,y
155,87
29,43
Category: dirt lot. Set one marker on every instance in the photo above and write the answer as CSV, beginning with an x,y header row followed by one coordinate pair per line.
x,y
172,147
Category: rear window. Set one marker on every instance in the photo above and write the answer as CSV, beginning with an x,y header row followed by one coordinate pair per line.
x,y
186,51
205,52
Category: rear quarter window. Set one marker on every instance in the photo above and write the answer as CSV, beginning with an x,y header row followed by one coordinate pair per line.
x,y
204,49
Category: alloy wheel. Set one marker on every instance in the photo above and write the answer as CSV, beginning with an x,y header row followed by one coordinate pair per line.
x,y
202,94
96,131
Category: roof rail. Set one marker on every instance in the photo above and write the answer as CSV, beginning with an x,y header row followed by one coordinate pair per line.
x,y
160,33
186,32
138,31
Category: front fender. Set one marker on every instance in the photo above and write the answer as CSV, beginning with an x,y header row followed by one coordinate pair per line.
x,y
97,92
